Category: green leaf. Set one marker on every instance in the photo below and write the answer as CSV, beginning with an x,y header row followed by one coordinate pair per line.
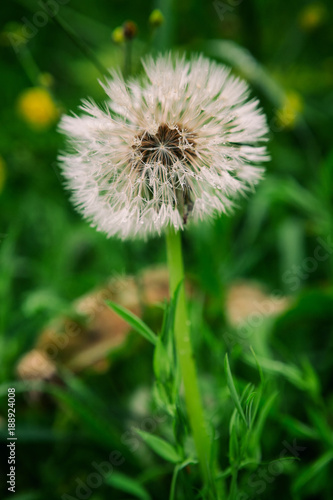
x,y
164,387
313,470
21,386
233,446
251,69
248,407
262,416
178,468
136,323
232,389
161,447
169,318
290,238
165,363
128,485
297,428
161,361
261,374
313,381
289,371
320,423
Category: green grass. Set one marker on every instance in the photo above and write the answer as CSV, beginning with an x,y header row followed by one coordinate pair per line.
x,y
267,386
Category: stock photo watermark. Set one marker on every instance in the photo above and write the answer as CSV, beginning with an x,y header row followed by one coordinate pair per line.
x,y
84,488
223,8
298,273
267,474
11,440
101,471
31,26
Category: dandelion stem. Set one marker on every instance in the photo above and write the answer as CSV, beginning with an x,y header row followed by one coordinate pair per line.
x,y
185,355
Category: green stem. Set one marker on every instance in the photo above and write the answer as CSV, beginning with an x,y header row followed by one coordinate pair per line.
x,y
29,65
185,355
233,487
85,49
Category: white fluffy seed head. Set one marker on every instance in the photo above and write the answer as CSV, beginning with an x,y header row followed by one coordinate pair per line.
x,y
180,144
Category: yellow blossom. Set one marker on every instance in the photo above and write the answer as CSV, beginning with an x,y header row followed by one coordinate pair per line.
x,y
118,35
37,107
291,108
311,16
156,18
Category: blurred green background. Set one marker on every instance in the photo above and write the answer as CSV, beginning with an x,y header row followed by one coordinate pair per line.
x,y
49,256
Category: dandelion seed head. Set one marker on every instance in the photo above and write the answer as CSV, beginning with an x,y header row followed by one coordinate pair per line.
x,y
178,145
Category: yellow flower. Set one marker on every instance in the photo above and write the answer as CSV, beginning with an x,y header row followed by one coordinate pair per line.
x,y
2,173
312,16
156,18
37,107
118,35
291,108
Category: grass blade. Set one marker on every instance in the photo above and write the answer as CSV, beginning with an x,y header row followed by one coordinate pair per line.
x,y
161,447
136,323
126,484
232,389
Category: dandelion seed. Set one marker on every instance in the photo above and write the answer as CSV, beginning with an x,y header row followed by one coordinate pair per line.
x,y
178,145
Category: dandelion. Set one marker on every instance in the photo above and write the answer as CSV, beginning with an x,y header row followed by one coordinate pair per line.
x,y
180,144
37,108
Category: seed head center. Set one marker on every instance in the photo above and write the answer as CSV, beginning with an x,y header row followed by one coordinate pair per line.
x,y
167,146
